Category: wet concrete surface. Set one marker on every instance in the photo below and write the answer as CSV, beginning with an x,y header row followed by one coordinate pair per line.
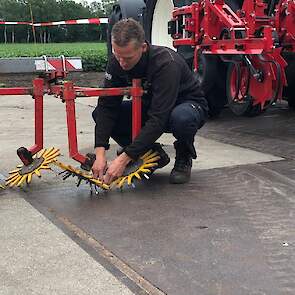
x,y
272,132
231,230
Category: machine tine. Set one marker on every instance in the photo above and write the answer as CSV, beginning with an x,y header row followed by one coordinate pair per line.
x,y
79,181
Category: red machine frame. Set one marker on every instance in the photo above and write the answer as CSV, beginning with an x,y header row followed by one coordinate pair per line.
x,y
67,92
260,32
201,25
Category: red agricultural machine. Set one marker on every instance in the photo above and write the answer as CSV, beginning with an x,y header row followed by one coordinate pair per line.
x,y
241,51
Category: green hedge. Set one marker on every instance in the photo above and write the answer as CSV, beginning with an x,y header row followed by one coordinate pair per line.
x,y
93,55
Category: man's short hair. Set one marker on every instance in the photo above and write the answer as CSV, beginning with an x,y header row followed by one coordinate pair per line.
x,y
127,30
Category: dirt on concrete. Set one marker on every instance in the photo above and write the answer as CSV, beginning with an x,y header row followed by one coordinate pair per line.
x,y
87,79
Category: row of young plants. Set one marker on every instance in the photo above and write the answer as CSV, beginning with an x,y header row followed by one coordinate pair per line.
x,y
93,55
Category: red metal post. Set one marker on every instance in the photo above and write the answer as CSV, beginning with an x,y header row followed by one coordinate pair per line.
x,y
69,96
38,90
136,93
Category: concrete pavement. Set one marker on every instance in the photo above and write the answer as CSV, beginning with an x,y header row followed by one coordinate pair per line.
x,y
38,258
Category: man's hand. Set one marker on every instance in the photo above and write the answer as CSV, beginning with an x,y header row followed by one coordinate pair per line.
x,y
100,165
116,168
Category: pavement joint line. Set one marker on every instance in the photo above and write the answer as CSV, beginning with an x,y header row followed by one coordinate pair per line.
x,y
109,256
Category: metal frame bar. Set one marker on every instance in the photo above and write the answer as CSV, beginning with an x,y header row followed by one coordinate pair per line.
x,y
38,90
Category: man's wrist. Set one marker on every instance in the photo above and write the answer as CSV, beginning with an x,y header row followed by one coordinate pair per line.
x,y
100,151
125,158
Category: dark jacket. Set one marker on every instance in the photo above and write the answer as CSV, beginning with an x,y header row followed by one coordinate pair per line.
x,y
169,81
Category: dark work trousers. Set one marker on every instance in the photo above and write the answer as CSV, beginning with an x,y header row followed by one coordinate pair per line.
x,y
185,120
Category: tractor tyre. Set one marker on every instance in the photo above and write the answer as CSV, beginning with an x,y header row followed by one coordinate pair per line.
x,y
248,109
208,76
289,91
239,101
114,17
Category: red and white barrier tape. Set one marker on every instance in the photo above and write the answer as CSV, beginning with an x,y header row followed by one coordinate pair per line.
x,y
14,23
54,64
96,21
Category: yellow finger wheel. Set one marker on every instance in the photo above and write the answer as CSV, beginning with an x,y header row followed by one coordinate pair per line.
x,y
94,183
24,173
143,166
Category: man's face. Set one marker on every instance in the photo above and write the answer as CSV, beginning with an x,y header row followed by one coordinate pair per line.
x,y
129,55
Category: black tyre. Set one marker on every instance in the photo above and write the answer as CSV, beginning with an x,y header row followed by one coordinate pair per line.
x,y
289,91
207,76
115,16
216,101
239,101
207,73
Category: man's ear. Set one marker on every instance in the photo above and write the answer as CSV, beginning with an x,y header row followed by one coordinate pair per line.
x,y
144,47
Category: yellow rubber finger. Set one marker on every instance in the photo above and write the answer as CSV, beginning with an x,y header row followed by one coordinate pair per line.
x,y
137,175
13,183
29,179
53,155
155,154
129,178
52,152
45,167
144,170
37,172
121,182
146,154
150,165
12,179
154,159
12,176
47,152
50,160
40,153
21,181
99,183
13,171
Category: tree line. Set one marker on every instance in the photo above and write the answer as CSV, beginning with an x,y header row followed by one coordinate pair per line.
x,y
52,10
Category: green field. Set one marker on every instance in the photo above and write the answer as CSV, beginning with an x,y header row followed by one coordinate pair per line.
x,y
94,55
